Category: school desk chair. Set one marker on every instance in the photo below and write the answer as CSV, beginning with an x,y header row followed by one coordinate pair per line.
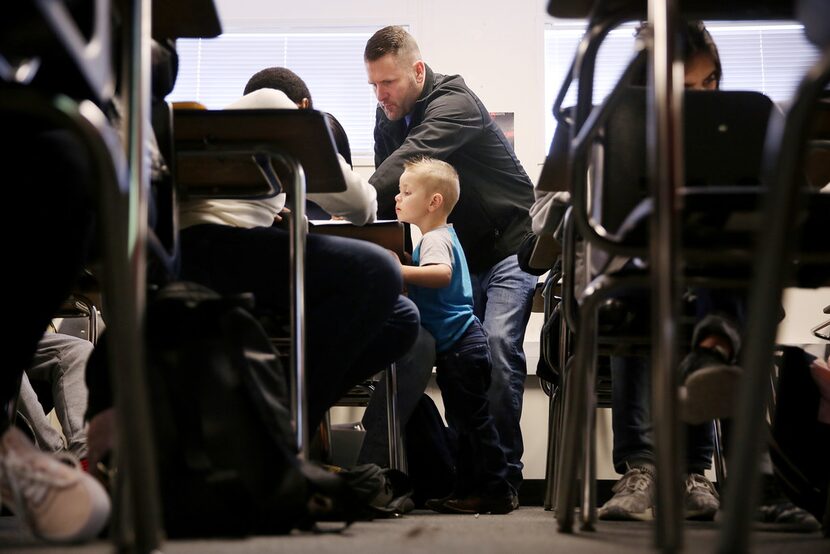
x,y
257,154
664,165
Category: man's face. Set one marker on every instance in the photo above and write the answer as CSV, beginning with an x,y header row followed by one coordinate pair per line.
x,y
397,84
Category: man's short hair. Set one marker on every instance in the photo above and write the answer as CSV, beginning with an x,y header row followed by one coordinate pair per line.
x,y
280,78
391,40
436,176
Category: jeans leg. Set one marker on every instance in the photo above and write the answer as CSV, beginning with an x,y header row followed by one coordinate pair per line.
x,y
503,297
463,375
700,446
414,370
46,437
61,360
630,413
356,319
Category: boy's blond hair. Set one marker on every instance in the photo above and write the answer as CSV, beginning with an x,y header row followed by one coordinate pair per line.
x,y
436,176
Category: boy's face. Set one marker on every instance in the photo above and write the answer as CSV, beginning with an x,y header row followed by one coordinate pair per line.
x,y
412,202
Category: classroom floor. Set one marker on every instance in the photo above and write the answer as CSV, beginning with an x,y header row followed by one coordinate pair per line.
x,y
530,529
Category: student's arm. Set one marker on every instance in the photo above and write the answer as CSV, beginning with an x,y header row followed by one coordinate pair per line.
x,y
434,276
358,203
436,262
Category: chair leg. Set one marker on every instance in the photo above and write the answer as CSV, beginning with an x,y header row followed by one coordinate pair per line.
x,y
397,457
720,459
326,449
589,465
578,388
553,436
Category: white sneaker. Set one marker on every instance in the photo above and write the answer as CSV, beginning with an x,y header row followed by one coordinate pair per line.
x,y
57,501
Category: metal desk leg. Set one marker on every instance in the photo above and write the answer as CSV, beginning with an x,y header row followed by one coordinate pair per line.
x,y
297,235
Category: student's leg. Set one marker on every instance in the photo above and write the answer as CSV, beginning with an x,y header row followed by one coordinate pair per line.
x,y
49,181
633,452
413,371
503,296
61,361
47,438
630,413
356,320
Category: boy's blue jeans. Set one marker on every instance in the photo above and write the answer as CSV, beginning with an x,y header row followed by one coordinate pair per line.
x,y
463,375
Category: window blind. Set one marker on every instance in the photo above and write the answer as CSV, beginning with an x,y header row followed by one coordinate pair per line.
x,y
762,56
215,71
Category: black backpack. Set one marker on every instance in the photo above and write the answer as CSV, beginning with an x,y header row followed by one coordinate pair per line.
x,y
226,455
430,453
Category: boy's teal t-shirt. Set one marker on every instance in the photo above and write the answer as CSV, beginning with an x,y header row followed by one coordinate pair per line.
x,y
448,311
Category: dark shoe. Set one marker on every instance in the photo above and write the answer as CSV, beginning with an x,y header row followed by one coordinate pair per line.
x,y
710,386
436,504
786,517
474,505
778,513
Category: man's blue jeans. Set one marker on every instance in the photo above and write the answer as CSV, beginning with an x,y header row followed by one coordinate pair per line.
x,y
502,298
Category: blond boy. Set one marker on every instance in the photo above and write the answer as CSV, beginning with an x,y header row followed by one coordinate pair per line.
x,y
439,284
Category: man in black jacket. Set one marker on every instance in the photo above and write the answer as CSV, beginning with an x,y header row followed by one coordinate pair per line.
x,y
422,113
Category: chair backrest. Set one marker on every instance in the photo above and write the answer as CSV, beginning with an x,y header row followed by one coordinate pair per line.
x,y
723,143
69,44
242,153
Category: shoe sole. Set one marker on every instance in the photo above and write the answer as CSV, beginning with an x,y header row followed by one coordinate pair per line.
x,y
618,514
700,515
709,393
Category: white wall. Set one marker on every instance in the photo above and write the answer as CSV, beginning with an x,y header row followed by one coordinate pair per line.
x,y
496,46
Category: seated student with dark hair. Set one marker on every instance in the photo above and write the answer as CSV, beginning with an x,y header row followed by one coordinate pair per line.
x,y
415,367
715,347
357,320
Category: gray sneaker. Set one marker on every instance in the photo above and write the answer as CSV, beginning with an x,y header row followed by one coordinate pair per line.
x,y
633,498
700,499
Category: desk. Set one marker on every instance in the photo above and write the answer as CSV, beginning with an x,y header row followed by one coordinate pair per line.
x,y
387,233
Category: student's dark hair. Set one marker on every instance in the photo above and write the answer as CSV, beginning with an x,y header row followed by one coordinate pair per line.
x,y
390,40
341,140
280,78
694,39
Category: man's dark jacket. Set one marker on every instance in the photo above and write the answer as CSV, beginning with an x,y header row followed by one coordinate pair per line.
x,y
450,123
